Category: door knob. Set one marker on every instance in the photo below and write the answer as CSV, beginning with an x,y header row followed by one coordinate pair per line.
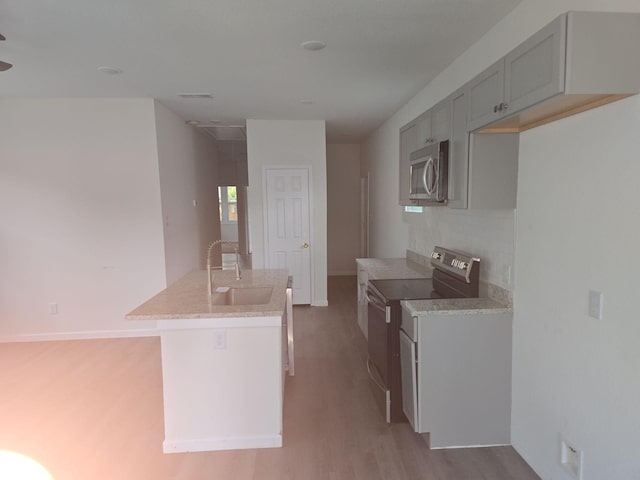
x,y
305,245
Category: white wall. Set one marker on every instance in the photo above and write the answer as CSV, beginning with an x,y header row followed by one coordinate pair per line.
x,y
343,208
289,142
187,162
81,217
571,375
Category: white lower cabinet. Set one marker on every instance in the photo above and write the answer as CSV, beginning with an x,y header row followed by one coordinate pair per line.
x,y
456,377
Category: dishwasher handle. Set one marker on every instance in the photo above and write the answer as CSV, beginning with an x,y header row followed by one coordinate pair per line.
x,y
374,301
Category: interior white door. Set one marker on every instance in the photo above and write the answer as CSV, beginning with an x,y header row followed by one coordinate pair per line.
x,y
287,227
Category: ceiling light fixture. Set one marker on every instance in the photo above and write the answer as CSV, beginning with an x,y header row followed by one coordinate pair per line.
x,y
193,123
313,45
110,70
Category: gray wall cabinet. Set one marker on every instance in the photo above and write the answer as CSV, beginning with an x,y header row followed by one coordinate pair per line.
x,y
579,61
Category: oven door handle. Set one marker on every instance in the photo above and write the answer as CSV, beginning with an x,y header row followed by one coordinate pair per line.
x,y
374,375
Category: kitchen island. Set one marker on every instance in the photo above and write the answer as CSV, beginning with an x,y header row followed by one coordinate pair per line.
x,y
222,364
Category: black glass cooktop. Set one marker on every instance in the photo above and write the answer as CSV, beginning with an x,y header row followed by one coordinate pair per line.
x,y
405,289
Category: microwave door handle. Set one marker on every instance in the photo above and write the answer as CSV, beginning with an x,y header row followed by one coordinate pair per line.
x,y
427,165
436,174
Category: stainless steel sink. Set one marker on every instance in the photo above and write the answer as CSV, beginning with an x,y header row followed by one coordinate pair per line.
x,y
243,296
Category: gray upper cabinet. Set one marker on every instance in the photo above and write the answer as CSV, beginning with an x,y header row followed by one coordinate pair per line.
x,y
458,151
534,71
486,92
441,121
531,73
579,61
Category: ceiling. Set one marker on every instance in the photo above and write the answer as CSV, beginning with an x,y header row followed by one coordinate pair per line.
x,y
245,53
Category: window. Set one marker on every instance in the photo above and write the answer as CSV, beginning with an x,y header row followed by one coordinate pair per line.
x,y
228,204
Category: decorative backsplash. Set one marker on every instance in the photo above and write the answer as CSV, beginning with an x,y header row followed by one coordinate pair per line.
x,y
488,234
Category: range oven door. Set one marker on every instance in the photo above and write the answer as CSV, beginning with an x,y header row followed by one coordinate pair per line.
x,y
379,324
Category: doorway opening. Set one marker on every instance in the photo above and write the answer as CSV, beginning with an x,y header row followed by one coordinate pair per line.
x,y
232,201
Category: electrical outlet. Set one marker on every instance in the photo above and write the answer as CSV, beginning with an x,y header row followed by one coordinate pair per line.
x,y
220,339
571,459
595,304
53,308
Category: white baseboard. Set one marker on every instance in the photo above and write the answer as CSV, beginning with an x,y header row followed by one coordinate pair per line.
x,y
86,335
227,443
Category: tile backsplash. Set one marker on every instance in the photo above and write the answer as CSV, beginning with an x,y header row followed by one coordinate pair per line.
x,y
489,235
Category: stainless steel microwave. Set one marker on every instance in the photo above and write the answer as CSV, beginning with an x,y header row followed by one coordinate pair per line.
x,y
429,174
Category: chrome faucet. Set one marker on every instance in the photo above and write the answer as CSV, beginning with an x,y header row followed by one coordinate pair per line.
x,y
210,268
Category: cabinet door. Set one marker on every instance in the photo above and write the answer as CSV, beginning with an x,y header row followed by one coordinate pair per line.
x,y
458,151
534,71
486,93
441,121
425,135
408,143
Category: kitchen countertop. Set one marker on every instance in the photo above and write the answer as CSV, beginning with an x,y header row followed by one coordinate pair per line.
x,y
187,298
455,306
390,268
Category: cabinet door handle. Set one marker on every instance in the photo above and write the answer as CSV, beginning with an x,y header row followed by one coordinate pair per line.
x,y
495,108
504,106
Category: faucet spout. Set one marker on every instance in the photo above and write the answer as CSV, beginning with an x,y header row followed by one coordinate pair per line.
x,y
210,268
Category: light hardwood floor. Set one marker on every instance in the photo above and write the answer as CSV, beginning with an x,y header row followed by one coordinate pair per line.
x,y
92,409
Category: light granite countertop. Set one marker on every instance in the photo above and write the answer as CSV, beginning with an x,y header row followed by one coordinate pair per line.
x,y
390,268
187,298
455,306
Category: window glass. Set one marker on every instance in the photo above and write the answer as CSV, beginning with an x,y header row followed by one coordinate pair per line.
x,y
228,200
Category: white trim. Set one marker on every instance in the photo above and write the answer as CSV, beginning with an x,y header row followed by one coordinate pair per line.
x,y
226,443
452,447
86,335
320,303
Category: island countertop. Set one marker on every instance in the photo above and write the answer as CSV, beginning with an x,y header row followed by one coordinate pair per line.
x,y
187,298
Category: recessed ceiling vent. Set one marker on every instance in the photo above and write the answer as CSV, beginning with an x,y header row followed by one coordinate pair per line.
x,y
195,95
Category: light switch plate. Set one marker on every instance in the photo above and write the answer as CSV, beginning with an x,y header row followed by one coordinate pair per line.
x,y
595,304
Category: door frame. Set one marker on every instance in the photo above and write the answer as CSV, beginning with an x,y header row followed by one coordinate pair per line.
x,y
265,230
